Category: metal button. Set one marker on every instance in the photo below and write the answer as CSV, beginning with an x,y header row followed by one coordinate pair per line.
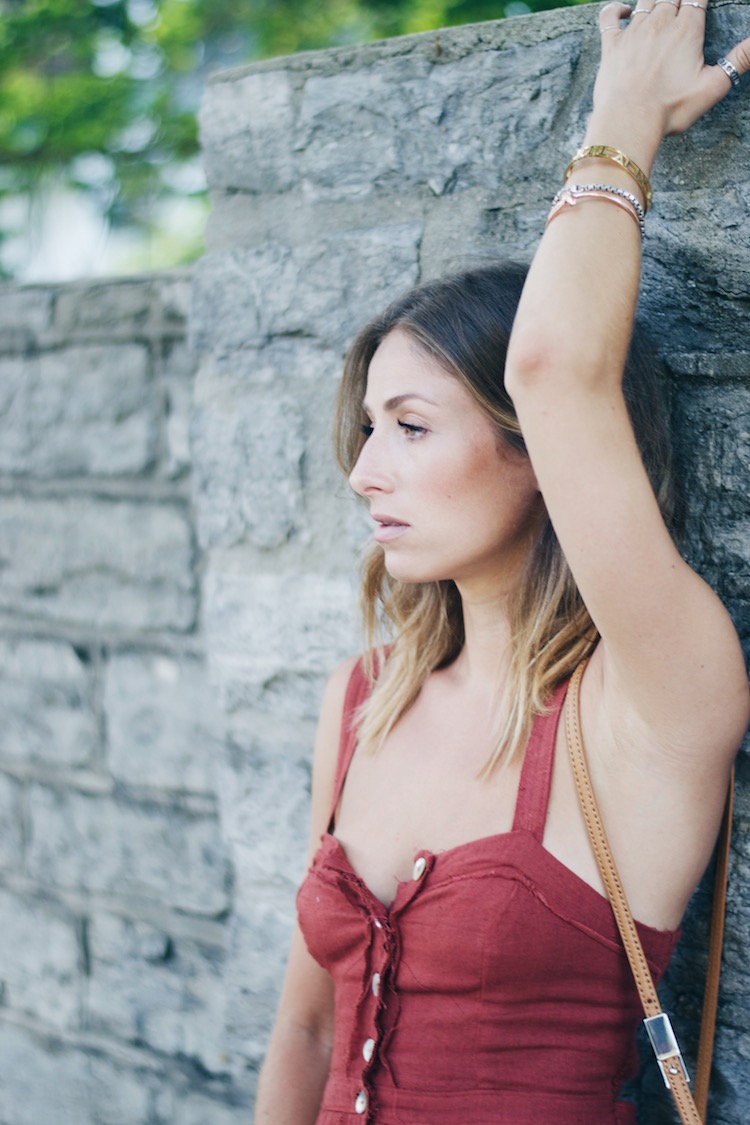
x,y
375,983
420,867
368,1049
377,923
360,1102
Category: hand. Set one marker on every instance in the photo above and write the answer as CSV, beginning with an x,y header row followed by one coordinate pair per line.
x,y
654,66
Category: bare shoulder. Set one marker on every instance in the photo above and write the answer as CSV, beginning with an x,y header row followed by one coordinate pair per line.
x,y
327,742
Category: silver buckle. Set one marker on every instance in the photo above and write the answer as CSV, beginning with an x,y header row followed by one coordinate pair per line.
x,y
665,1045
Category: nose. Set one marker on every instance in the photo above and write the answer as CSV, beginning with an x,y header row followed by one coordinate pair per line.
x,y
370,473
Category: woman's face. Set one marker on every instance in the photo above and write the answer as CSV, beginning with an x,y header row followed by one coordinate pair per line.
x,y
449,498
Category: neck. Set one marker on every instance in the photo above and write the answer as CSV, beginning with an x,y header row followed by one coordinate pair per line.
x,y
486,652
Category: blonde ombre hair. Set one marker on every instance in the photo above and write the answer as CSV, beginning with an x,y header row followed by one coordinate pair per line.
x,y
412,629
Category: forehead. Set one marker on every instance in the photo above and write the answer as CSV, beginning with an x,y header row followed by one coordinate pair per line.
x,y
401,366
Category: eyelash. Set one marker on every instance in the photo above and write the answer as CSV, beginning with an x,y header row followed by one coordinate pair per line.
x,y
413,431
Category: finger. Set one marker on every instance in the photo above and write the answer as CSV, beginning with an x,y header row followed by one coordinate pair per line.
x,y
739,56
670,8
611,15
715,82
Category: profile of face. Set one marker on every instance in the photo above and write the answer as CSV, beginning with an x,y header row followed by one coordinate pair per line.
x,y
450,498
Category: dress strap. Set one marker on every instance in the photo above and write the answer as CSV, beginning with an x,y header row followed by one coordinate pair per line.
x,y
536,774
357,691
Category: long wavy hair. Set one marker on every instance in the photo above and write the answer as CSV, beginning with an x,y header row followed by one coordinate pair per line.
x,y
412,629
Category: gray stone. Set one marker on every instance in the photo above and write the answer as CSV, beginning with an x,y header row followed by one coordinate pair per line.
x,y
46,700
404,123
107,308
248,448
324,289
126,848
261,930
177,378
266,818
11,825
246,128
97,563
162,722
80,410
264,627
719,469
27,310
39,961
144,986
698,254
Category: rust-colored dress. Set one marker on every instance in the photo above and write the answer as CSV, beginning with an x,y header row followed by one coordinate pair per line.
x,y
493,990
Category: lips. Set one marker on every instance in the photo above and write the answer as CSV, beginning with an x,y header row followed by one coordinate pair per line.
x,y
388,528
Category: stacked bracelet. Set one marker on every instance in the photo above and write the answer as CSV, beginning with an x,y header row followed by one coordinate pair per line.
x,y
569,196
604,152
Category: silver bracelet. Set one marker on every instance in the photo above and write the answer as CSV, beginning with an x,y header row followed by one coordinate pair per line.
x,y
633,200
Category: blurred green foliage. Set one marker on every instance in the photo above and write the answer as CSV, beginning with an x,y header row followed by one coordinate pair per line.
x,y
102,95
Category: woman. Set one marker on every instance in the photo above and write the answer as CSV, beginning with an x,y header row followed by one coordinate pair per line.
x,y
453,892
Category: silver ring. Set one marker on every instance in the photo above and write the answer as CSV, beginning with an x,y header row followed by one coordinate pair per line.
x,y
730,70
612,27
693,4
641,12
672,2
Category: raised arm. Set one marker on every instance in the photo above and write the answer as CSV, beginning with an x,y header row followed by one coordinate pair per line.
x,y
297,1062
669,659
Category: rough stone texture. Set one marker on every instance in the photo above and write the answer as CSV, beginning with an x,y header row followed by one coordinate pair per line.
x,y
47,704
39,954
162,723
108,563
173,856
155,525
115,882
82,409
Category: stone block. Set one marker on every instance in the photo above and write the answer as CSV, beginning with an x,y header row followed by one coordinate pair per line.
x,y
80,410
266,817
718,467
405,123
149,988
178,374
11,825
44,1081
261,932
162,722
246,130
97,563
46,700
248,448
697,271
324,289
266,630
40,963
194,1110
107,308
119,847
26,309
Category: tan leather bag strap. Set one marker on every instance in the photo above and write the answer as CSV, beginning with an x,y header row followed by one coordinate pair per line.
x,y
657,1022
711,993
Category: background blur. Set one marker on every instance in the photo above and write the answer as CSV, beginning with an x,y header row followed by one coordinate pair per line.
x,y
99,165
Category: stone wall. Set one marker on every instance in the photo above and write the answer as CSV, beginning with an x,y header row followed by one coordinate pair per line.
x,y
115,880
339,179
178,554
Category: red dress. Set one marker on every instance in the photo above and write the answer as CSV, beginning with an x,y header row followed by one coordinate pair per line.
x,y
493,990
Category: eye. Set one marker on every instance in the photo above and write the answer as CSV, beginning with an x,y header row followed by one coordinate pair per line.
x,y
366,429
412,431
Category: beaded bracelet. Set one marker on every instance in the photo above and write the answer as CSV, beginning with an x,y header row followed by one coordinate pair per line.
x,y
604,152
569,196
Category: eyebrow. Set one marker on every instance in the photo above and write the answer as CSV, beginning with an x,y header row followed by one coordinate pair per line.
x,y
398,400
